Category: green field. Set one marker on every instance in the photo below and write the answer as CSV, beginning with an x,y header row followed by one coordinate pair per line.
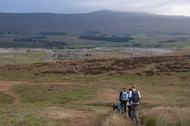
x,y
74,42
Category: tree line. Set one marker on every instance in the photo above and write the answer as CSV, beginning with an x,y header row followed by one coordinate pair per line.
x,y
96,35
105,38
34,43
139,45
52,33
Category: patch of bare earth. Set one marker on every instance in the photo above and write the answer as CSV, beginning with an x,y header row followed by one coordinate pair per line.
x,y
6,87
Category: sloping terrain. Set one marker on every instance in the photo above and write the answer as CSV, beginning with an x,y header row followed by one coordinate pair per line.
x,y
47,94
106,22
140,66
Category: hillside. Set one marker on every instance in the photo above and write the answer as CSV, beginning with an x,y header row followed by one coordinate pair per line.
x,y
44,93
103,21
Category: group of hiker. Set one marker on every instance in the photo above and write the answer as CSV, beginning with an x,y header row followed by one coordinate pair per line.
x,y
131,100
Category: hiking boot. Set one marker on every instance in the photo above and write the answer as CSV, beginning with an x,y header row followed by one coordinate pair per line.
x,y
137,122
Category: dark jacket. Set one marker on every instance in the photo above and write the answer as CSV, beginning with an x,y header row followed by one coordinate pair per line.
x,y
120,95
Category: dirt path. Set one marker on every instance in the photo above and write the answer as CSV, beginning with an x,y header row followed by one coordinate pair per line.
x,y
113,96
6,87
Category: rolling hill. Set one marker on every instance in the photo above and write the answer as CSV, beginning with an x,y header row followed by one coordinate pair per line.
x,y
106,22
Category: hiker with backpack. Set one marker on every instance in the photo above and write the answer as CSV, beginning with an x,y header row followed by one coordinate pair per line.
x,y
129,104
123,98
118,107
135,96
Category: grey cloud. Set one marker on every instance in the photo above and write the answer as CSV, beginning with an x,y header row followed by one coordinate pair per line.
x,y
169,7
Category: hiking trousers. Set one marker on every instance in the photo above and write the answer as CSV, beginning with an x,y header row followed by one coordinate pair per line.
x,y
135,110
129,111
123,106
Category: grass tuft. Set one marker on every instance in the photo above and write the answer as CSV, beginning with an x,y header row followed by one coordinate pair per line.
x,y
164,116
114,118
5,99
151,121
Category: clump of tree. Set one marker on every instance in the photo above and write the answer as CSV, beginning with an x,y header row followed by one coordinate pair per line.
x,y
154,46
1,33
23,39
183,39
53,33
40,37
88,32
95,35
34,43
167,41
108,39
139,45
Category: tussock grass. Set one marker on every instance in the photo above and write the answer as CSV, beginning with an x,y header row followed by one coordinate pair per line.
x,y
74,116
114,118
164,116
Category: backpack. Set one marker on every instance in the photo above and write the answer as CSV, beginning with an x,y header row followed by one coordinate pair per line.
x,y
118,107
124,96
135,96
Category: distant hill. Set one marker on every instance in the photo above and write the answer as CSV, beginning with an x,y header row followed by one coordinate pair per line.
x,y
106,22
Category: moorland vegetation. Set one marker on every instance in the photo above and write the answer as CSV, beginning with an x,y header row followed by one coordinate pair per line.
x,y
43,93
34,90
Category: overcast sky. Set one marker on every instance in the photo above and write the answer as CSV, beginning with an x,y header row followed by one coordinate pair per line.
x,y
163,7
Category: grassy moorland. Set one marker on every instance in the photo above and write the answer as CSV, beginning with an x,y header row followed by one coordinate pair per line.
x,y
46,94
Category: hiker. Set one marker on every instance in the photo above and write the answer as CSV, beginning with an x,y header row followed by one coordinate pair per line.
x,y
114,107
72,68
118,107
123,98
135,96
129,104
